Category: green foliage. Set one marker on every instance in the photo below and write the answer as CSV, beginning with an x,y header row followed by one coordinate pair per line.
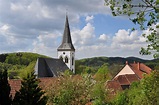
x,y
96,61
145,13
13,70
5,98
18,64
25,71
22,58
67,73
115,68
30,93
77,90
3,57
103,73
120,99
150,87
99,94
69,91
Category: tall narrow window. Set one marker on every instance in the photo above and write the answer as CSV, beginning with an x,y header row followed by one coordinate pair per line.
x,y
66,59
72,60
61,57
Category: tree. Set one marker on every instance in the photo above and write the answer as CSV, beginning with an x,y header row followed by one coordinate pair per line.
x,y
145,13
5,98
77,90
99,94
69,90
30,93
103,74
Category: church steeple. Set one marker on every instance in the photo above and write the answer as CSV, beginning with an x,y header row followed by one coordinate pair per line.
x,y
66,41
66,50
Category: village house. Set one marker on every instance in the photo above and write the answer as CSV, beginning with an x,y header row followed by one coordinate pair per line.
x,y
131,72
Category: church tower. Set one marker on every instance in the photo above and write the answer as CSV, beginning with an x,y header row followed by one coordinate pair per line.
x,y
66,50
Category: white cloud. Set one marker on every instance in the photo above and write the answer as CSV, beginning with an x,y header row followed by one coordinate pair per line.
x,y
47,44
37,25
103,37
128,40
89,18
84,36
125,37
125,43
4,28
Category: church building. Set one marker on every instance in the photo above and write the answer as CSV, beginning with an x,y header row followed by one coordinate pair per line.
x,y
52,67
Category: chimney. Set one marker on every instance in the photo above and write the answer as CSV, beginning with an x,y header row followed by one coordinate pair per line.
x,y
138,65
126,62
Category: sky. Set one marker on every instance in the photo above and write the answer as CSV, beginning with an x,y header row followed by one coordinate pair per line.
x,y
37,26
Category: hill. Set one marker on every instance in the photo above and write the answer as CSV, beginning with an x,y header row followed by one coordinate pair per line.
x,y
114,63
18,64
98,61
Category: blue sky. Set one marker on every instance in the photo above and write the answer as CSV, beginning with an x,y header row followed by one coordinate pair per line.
x,y
37,26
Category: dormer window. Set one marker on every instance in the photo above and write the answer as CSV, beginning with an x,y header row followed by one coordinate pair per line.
x,y
66,59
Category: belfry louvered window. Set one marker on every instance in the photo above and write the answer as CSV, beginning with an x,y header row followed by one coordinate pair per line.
x,y
72,60
66,59
61,57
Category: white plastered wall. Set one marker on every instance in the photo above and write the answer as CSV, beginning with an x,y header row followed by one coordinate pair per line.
x,y
69,54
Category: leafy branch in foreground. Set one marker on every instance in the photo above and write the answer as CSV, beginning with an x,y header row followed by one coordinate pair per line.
x,y
145,13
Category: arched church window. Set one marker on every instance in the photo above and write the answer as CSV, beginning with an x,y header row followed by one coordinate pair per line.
x,y
66,59
61,57
72,60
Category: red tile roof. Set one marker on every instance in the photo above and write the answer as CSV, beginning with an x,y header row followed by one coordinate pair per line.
x,y
114,85
122,80
44,83
126,79
140,69
15,86
132,77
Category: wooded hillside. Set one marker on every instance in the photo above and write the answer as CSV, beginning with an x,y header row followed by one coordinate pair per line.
x,y
19,64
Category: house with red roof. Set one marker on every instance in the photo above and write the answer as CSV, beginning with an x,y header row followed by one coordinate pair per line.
x,y
131,72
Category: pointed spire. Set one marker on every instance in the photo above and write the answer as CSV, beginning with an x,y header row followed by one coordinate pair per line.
x,y
66,41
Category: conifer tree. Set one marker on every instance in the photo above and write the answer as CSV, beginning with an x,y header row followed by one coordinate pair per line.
x,y
30,93
5,98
